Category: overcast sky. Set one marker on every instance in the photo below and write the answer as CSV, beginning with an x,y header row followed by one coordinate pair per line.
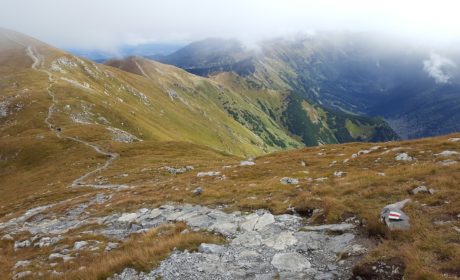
x,y
105,24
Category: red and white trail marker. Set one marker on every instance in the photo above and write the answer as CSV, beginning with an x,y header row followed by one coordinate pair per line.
x,y
394,215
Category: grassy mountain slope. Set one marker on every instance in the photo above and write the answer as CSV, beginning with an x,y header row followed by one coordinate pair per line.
x,y
267,71
173,106
190,89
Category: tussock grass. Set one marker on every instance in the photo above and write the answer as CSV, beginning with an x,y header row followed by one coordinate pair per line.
x,y
428,249
141,252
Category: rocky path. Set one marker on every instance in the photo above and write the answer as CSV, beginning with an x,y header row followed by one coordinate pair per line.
x,y
38,64
259,245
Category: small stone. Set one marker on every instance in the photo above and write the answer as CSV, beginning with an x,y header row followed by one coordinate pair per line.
x,y
357,249
419,189
422,189
22,274
209,173
56,273
7,237
80,245
289,181
447,153
321,179
67,258
404,157
210,248
339,173
54,256
448,162
21,264
111,246
22,244
247,163
197,191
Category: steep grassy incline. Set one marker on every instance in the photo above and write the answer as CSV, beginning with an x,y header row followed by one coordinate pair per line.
x,y
99,102
201,93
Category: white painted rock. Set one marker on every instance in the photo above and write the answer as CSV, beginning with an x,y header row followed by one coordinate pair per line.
x,y
403,223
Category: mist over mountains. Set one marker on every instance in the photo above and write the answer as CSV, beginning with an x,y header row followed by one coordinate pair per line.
x,y
413,87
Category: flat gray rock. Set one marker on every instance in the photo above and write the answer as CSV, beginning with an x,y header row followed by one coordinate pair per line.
x,y
290,262
331,227
210,248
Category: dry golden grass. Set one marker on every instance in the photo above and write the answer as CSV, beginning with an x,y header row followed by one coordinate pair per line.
x,y
141,251
428,249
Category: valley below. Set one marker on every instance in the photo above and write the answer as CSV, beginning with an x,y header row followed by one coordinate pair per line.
x,y
136,169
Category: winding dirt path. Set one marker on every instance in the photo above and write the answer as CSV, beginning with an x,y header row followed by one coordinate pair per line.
x,y
141,69
38,63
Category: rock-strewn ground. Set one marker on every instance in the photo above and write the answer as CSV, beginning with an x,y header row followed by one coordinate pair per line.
x,y
260,246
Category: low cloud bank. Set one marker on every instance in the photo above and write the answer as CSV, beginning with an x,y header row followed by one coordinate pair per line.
x,y
439,68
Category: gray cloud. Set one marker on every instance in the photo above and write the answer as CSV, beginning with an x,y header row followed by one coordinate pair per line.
x,y
106,23
439,68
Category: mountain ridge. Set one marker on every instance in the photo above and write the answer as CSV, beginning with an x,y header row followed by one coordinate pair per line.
x,y
354,74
